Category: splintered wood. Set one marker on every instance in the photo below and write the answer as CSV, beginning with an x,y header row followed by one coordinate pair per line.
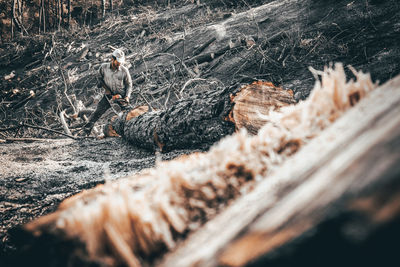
x,y
258,99
132,220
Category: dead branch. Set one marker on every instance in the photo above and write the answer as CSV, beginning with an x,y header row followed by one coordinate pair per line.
x,y
49,130
203,46
63,78
187,83
64,123
208,57
26,139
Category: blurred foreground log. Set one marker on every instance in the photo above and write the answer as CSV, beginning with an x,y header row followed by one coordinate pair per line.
x,y
335,203
201,119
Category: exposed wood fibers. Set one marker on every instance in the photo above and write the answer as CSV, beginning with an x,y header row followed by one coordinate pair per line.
x,y
258,97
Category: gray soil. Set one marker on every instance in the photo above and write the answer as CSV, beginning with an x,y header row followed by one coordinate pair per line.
x,y
36,177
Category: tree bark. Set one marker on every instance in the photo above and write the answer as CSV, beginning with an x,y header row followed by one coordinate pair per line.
x,y
59,14
12,19
111,7
44,15
69,13
203,119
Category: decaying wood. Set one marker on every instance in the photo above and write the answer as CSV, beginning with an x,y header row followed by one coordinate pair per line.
x,y
202,119
352,170
132,220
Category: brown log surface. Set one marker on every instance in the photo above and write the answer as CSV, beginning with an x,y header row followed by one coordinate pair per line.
x,y
255,101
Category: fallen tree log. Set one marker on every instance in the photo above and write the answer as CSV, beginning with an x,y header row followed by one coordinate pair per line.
x,y
342,208
201,119
134,220
276,40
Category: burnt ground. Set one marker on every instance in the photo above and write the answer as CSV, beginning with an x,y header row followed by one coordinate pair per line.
x,y
172,52
36,176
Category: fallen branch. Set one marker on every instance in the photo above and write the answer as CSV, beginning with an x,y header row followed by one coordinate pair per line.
x,y
49,130
203,46
27,139
64,123
190,82
208,57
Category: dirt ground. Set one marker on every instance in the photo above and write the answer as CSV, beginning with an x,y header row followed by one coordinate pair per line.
x,y
35,177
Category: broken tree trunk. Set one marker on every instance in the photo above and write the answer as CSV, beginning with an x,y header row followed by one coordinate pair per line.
x,y
342,208
202,119
132,221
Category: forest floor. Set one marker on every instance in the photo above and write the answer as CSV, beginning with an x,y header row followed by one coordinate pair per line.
x,y
36,176
171,52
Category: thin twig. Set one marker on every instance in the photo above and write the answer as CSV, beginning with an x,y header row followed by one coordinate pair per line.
x,y
190,82
63,77
64,123
49,130
26,139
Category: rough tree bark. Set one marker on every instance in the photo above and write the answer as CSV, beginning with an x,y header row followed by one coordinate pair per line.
x,y
12,19
202,119
69,13
59,14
